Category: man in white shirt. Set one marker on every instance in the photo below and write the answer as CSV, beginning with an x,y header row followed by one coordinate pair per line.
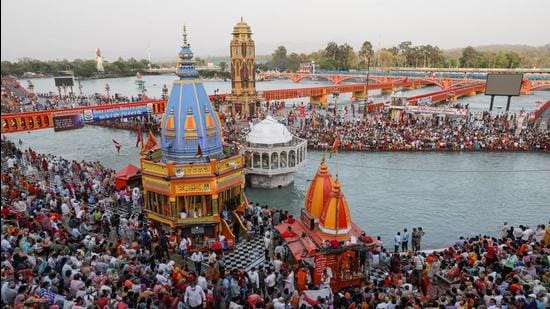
x,y
11,163
197,259
526,234
183,247
194,296
201,281
212,257
267,243
277,263
270,283
397,242
279,303
254,279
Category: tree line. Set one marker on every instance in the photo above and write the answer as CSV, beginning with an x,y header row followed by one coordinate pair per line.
x,y
405,54
79,67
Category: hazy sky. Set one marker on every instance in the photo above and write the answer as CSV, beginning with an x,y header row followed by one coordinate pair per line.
x,y
56,29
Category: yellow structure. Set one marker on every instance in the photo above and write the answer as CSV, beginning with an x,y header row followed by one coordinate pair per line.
x,y
243,99
196,178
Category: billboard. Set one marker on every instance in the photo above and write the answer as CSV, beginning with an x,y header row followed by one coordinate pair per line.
x,y
113,113
503,84
64,82
63,122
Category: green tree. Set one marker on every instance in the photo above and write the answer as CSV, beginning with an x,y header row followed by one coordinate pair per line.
x,y
279,59
366,52
470,58
223,66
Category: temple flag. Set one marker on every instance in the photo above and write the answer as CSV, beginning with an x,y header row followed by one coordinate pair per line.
x,y
335,146
117,146
151,144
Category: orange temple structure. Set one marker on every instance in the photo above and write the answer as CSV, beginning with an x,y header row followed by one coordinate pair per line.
x,y
325,237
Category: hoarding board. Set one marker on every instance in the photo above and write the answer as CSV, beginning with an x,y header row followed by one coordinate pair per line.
x,y
503,84
114,113
65,122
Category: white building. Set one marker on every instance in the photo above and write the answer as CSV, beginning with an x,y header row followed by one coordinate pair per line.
x,y
272,155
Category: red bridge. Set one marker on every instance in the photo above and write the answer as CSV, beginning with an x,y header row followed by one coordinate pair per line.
x,y
18,122
527,87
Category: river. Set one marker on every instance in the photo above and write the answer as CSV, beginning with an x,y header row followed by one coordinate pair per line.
x,y
447,194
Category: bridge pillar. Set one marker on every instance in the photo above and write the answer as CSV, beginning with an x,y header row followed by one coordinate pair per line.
x,y
387,91
319,99
472,93
526,86
359,95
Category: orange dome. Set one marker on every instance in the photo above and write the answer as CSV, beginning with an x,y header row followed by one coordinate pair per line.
x,y
169,125
319,191
190,125
335,218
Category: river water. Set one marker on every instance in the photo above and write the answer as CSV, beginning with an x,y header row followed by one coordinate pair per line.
x,y
447,194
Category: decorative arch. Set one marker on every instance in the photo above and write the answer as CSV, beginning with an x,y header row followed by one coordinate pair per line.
x,y
283,159
274,160
256,160
292,158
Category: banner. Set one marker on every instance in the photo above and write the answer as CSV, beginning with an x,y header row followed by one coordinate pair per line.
x,y
425,101
113,113
63,122
448,111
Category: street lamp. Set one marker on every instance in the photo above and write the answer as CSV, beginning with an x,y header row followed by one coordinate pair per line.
x,y
164,92
367,88
108,90
216,100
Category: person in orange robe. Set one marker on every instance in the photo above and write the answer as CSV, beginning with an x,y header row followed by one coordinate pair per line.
x,y
301,279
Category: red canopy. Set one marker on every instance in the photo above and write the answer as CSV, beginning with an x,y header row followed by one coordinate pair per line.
x,y
123,175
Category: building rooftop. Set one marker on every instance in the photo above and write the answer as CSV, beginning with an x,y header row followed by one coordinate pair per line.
x,y
270,132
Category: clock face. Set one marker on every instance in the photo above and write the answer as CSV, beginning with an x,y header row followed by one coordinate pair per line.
x,y
180,172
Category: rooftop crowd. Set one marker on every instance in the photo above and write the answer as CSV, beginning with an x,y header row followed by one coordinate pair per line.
x,y
64,245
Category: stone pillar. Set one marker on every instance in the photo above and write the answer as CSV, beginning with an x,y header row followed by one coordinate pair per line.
x,y
215,206
172,207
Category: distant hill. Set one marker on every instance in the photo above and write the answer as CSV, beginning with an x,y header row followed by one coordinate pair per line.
x,y
532,56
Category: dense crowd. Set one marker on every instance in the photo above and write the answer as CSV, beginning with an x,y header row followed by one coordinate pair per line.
x,y
49,101
379,132
64,245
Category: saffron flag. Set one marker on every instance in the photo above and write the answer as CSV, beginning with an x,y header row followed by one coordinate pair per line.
x,y
117,146
139,137
151,144
335,146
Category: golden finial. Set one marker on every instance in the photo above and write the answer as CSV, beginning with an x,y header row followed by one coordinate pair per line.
x,y
323,158
241,18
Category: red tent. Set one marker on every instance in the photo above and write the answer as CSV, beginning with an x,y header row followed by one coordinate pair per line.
x,y
128,174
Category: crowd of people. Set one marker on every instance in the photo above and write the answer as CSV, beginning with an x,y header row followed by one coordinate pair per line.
x,y
64,245
379,131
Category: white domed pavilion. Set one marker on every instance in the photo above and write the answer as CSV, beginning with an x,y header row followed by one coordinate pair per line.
x,y
272,154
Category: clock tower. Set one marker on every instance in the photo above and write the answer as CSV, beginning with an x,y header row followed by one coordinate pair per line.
x,y
244,99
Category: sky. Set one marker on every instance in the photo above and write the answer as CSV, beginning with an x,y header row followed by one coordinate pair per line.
x,y
57,29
